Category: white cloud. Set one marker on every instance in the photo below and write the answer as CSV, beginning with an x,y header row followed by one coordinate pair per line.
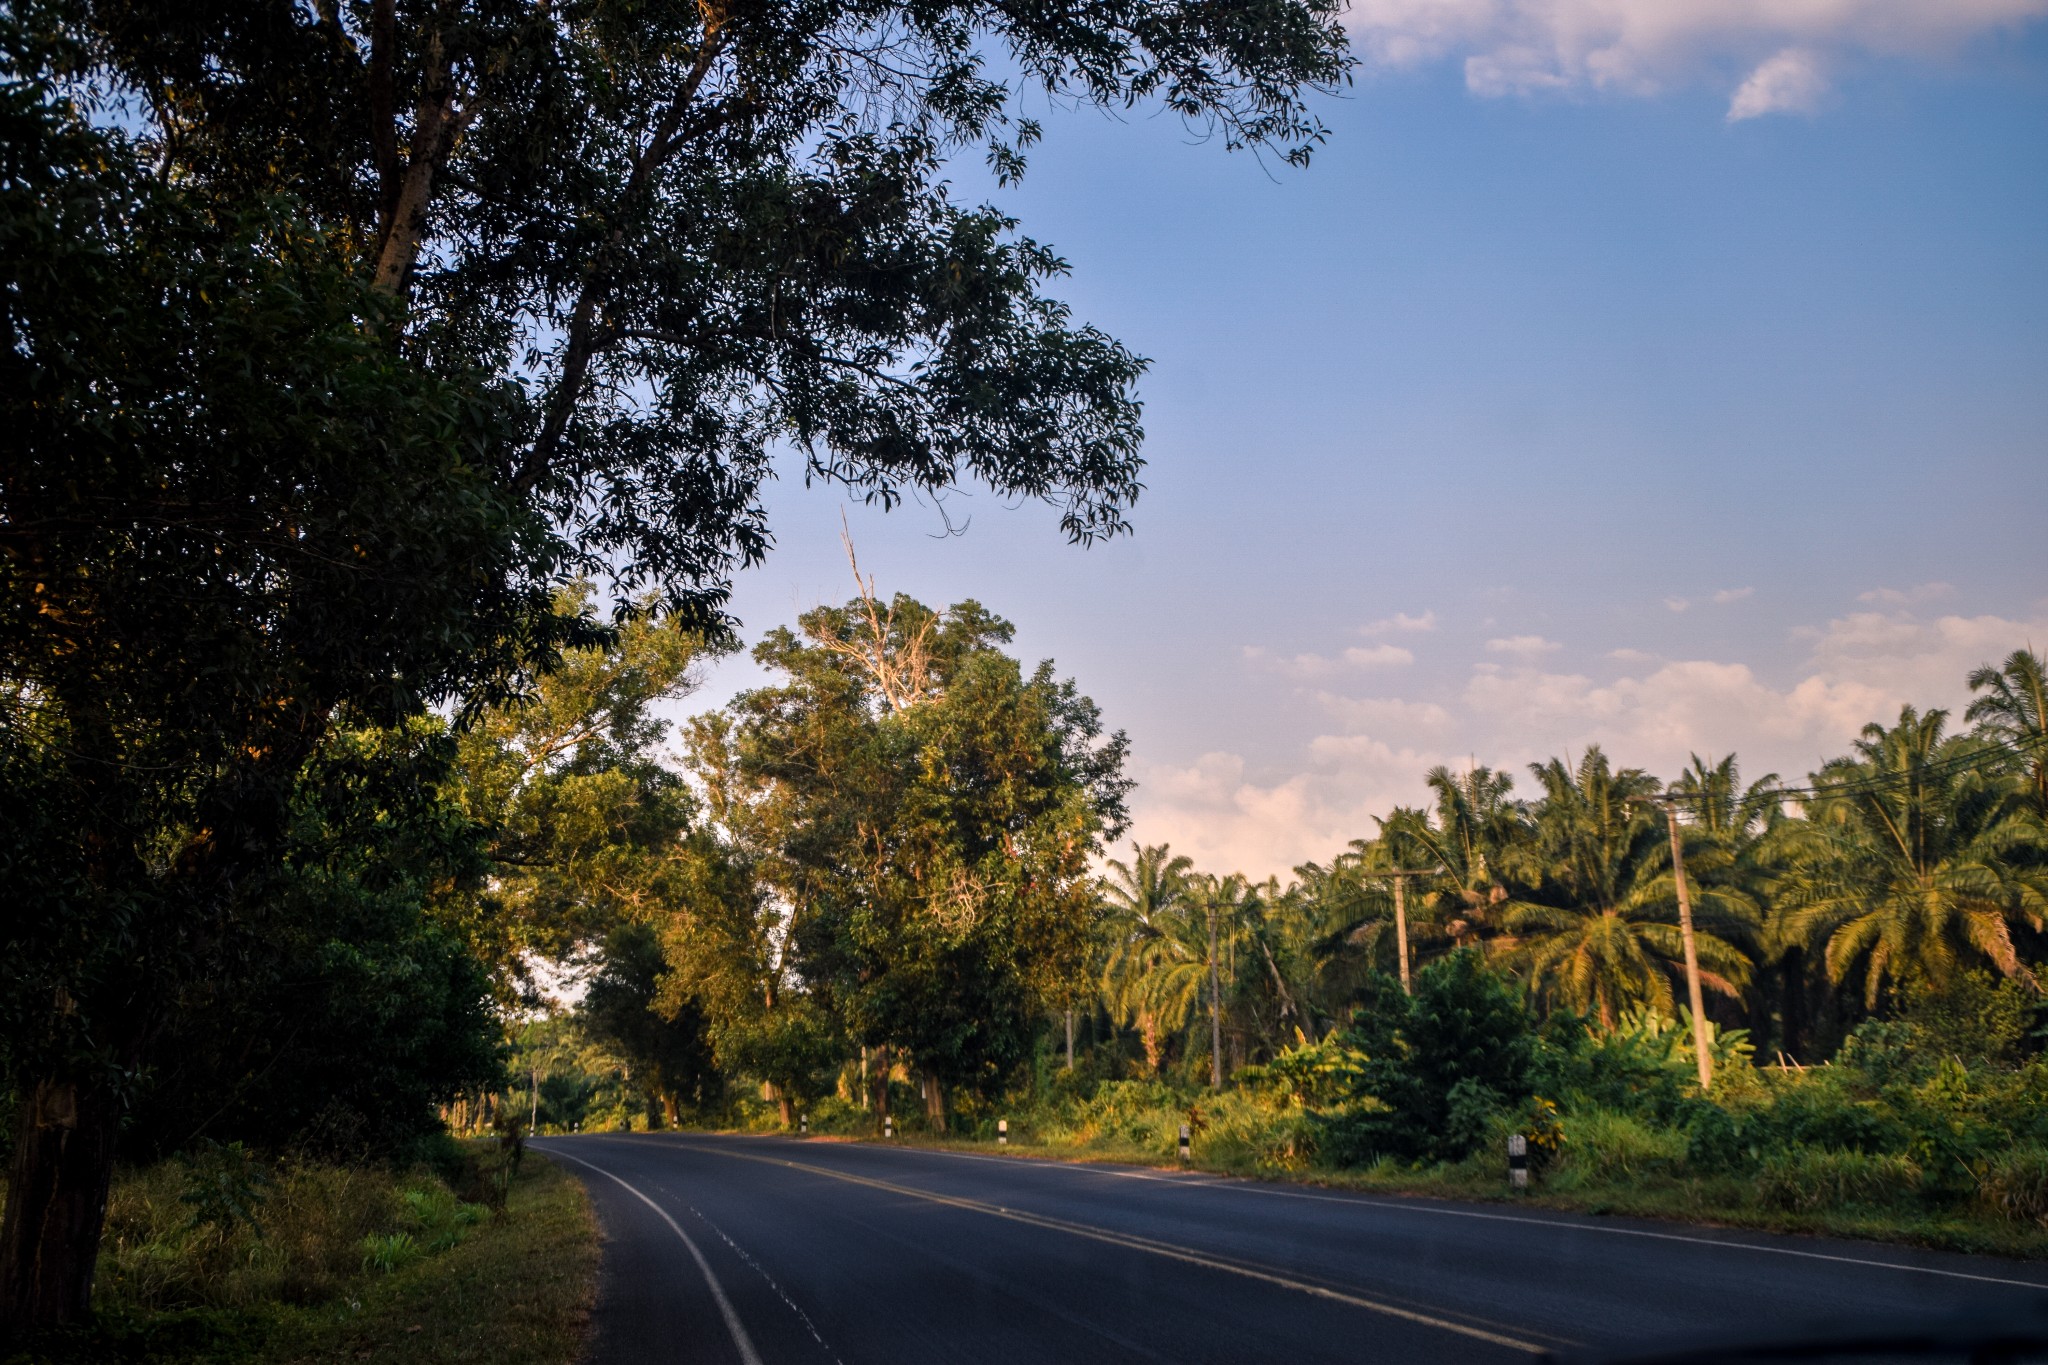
x,y
1791,82
1510,710
1522,646
1642,46
1894,597
1311,667
1400,622
1677,603
1727,595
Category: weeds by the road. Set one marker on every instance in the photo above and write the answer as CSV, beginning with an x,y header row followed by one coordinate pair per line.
x,y
217,1261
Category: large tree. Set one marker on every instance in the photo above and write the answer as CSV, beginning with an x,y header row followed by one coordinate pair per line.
x,y
935,808
354,324
229,518
697,233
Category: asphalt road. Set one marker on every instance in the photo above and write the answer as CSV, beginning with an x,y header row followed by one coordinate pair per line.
x,y
769,1251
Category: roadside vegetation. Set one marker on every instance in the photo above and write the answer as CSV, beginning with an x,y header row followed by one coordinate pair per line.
x,y
223,1257
1868,942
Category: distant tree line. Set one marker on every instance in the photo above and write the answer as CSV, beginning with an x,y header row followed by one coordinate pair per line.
x,y
1889,872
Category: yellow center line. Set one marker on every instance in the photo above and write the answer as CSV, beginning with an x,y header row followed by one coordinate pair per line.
x,y
1168,1250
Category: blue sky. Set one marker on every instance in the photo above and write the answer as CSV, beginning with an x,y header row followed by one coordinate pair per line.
x,y
1552,405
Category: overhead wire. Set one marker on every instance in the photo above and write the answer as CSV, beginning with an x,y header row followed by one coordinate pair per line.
x,y
1864,784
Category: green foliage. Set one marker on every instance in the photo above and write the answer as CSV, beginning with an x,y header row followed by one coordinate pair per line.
x,y
224,1187
1804,1179
1442,1063
923,812
392,1251
621,1011
1918,860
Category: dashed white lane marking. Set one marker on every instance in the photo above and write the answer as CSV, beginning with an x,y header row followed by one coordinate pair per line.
x,y
740,1340
783,1294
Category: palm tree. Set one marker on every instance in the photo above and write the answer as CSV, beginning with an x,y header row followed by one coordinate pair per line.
x,y
1917,858
1146,925
1475,821
1731,837
2013,708
1593,926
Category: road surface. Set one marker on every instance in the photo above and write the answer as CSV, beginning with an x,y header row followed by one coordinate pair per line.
x,y
771,1251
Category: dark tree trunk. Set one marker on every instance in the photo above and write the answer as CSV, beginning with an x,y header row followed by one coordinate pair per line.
x,y
934,1103
1792,1028
880,1081
57,1203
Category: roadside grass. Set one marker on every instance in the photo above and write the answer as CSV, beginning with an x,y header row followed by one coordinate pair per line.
x,y
340,1264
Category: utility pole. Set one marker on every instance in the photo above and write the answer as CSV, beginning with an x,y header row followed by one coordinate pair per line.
x,y
1070,1039
1692,957
1215,1007
1401,876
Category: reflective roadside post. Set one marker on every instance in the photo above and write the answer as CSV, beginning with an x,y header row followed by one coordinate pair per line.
x,y
1002,1132
1185,1156
803,1125
1518,1161
888,1125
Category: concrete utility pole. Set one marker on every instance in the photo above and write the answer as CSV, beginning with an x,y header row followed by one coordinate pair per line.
x,y
1692,957
1215,1008
1401,876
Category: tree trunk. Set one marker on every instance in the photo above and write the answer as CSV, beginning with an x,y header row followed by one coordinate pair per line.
x,y
784,1107
57,1203
880,1082
671,1112
934,1103
1792,1028
1155,1051
1070,1040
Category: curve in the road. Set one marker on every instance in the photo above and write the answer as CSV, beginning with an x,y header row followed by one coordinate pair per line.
x,y
846,1254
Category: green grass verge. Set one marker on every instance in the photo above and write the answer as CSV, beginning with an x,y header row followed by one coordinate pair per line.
x,y
512,1289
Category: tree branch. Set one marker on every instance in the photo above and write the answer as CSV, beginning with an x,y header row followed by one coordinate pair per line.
x,y
581,348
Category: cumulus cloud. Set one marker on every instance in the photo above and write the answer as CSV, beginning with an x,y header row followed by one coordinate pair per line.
x,y
1677,603
1400,623
1790,82
1511,710
1727,595
1310,667
1522,646
1642,46
1895,597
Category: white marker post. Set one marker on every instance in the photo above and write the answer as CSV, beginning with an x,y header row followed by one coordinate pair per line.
x,y
888,1125
1002,1132
803,1125
1185,1155
1518,1161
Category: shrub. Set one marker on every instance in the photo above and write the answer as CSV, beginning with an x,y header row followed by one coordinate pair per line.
x,y
1608,1145
394,1251
1805,1179
2015,1185
1464,1034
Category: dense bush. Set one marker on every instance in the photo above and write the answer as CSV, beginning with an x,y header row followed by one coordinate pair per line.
x,y
1441,1065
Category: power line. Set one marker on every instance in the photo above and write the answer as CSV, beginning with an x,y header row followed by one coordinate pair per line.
x,y
1875,782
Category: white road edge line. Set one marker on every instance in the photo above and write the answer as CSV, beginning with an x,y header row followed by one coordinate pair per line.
x,y
740,1339
1404,1206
